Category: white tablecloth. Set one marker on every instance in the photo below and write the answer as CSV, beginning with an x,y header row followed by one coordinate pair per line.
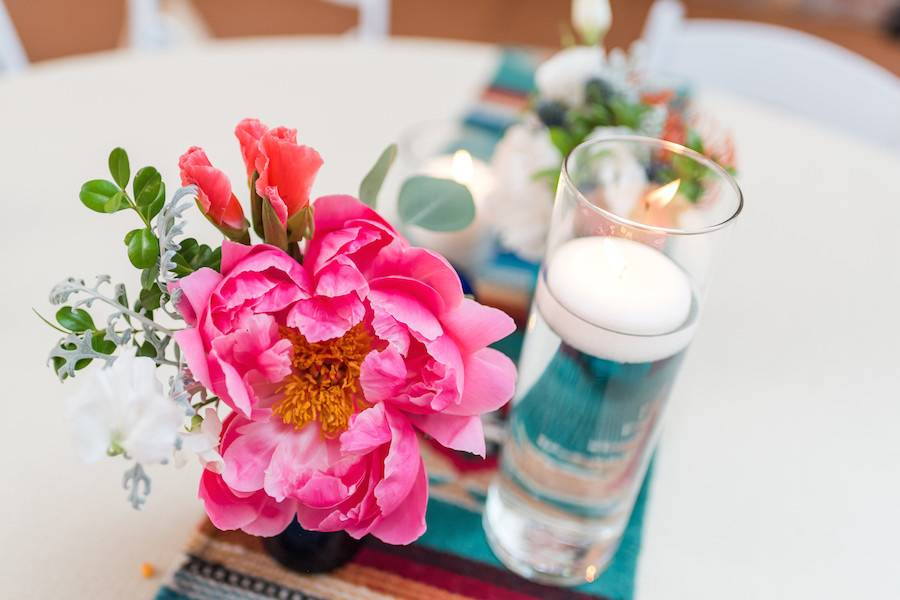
x,y
779,473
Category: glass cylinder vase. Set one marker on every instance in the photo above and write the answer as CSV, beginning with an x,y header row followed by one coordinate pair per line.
x,y
636,226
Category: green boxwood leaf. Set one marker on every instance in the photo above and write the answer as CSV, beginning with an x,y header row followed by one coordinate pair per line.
x,y
146,349
372,182
76,320
562,140
694,141
148,277
102,345
149,192
150,297
436,204
143,248
99,195
119,167
628,115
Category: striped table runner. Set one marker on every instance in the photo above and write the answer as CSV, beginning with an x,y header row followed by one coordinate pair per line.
x,y
452,560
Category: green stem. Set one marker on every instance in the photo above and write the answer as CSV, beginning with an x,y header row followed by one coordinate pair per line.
x,y
135,209
41,317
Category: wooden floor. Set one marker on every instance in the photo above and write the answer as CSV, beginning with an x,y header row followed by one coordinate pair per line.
x,y
52,28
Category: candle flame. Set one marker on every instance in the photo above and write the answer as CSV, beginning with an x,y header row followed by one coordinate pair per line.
x,y
463,168
664,194
590,574
614,256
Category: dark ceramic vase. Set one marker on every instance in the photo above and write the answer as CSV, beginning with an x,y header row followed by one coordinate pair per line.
x,y
311,551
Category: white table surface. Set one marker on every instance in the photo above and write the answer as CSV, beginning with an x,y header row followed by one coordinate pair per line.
x,y
779,472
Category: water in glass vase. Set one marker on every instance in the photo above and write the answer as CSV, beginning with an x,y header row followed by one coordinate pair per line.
x,y
581,432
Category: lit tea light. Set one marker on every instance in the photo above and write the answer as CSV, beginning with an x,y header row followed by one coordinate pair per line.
x,y
465,247
463,168
661,196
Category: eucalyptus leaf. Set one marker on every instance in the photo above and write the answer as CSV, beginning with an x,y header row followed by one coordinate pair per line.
x,y
76,320
98,194
436,204
119,167
374,179
143,248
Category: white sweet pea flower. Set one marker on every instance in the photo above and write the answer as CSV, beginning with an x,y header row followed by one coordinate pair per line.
x,y
520,205
123,406
204,442
591,19
564,75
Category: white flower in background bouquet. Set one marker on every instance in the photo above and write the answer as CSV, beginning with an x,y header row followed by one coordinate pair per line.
x,y
582,93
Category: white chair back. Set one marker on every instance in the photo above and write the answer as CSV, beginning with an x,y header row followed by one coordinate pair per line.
x,y
12,55
374,18
776,65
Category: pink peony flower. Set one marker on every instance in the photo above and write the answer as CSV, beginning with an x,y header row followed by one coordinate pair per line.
x,y
286,171
331,366
214,195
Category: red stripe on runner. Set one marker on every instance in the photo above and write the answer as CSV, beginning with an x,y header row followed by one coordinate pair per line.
x,y
434,576
441,569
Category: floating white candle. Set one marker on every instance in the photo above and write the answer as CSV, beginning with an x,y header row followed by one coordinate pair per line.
x,y
616,299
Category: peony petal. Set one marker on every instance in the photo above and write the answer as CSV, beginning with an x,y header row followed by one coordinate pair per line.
x,y
454,432
423,265
382,374
228,384
475,325
298,455
368,430
233,253
406,524
400,465
198,287
410,302
191,344
490,380
249,455
333,212
273,518
322,318
339,278
226,510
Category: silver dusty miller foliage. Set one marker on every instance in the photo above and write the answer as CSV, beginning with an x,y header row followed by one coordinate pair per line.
x,y
124,326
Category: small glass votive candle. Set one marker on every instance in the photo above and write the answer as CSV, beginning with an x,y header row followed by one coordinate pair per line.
x,y
449,150
636,225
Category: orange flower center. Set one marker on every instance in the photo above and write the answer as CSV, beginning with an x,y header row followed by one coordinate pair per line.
x,y
324,384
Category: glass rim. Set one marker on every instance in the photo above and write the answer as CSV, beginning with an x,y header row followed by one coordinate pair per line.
x,y
667,145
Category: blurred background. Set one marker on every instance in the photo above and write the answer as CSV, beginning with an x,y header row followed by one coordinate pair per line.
x,y
50,29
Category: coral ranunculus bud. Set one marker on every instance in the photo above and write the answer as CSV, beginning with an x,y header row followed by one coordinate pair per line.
x,y
214,195
286,171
